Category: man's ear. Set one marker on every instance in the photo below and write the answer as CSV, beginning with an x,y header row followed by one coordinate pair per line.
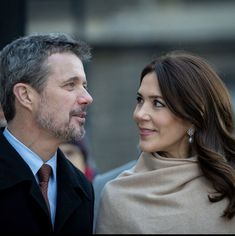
x,y
24,94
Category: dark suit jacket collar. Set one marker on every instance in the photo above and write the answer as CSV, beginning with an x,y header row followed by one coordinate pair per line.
x,y
13,169
72,188
11,162
69,175
72,184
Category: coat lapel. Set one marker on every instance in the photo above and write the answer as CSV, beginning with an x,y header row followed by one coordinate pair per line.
x,y
67,202
13,170
70,191
36,194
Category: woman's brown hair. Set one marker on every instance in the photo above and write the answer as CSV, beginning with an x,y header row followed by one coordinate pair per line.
x,y
194,92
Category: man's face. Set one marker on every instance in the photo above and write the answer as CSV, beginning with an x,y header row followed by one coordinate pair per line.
x,y
62,105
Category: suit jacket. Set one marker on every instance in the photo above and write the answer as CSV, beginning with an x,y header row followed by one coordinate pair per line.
x,y
22,207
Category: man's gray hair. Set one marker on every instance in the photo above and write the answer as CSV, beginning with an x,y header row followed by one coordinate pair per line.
x,y
23,60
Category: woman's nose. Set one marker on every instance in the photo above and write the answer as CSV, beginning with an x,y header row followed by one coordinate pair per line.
x,y
142,114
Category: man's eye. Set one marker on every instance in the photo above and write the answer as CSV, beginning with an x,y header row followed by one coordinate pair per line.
x,y
71,84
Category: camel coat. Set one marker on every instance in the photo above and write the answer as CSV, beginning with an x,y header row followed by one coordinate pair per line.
x,y
161,196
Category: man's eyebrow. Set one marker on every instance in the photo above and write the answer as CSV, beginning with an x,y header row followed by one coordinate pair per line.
x,y
74,78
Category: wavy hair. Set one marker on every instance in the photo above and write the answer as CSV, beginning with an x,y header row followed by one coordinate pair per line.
x,y
194,92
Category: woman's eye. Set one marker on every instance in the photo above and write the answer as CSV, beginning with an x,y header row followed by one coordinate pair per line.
x,y
158,103
139,99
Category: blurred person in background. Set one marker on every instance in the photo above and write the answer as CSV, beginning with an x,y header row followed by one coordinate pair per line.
x,y
77,152
44,97
3,121
184,179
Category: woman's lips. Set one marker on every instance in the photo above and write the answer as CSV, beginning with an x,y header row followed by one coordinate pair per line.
x,y
146,132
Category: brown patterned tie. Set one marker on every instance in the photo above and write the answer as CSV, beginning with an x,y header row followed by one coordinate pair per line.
x,y
43,176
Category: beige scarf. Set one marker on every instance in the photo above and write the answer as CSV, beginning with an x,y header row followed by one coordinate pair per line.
x,y
161,196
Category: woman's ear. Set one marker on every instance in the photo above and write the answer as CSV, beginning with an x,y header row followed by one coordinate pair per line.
x,y
24,94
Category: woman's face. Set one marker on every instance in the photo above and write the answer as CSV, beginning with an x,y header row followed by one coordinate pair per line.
x,y
159,129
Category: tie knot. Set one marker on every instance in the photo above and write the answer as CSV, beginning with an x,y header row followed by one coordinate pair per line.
x,y
44,173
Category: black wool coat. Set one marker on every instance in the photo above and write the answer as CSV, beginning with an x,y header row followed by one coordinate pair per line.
x,y
22,207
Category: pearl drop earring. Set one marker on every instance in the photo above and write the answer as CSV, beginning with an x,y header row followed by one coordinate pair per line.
x,y
190,132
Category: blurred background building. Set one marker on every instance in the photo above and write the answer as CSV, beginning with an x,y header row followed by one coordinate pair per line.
x,y
124,36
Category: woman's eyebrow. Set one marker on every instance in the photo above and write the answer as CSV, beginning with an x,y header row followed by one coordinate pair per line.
x,y
151,96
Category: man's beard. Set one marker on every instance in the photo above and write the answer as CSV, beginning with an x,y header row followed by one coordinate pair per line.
x,y
64,131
